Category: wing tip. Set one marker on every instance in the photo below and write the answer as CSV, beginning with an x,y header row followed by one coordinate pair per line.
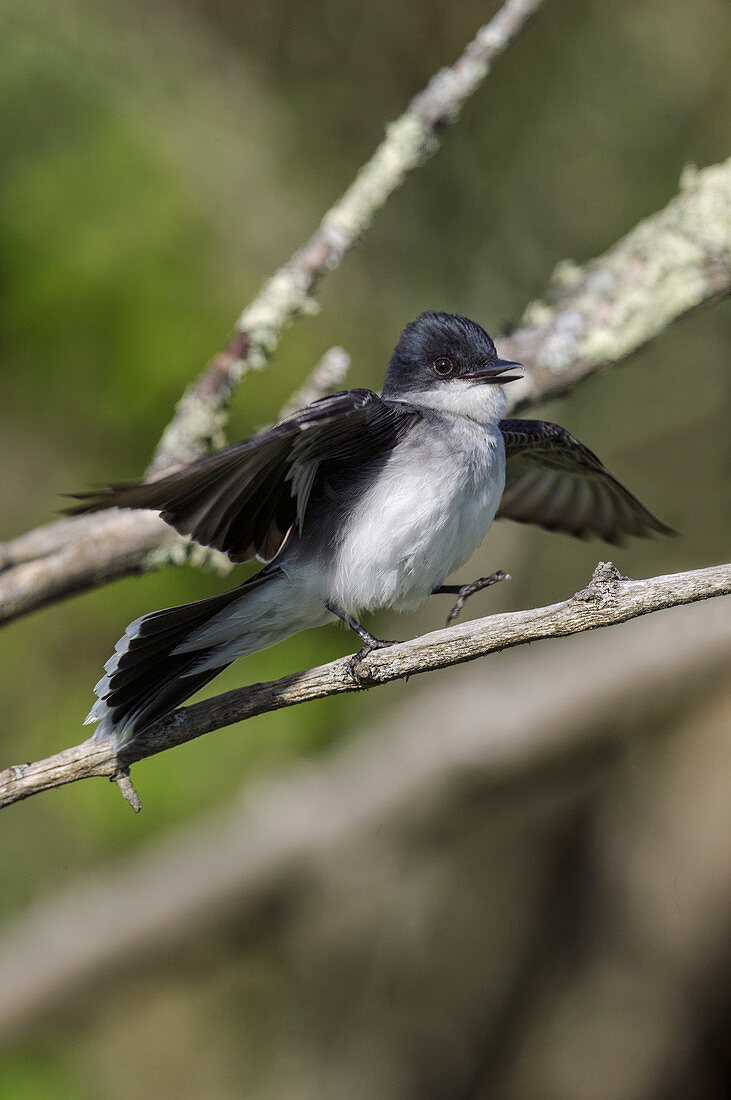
x,y
96,500
90,503
660,528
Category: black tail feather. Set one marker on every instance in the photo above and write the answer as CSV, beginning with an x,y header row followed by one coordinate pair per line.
x,y
146,678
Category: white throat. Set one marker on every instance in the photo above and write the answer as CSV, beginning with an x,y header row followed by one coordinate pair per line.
x,y
483,403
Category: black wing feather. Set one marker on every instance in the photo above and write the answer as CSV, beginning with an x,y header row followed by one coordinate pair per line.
x,y
555,481
244,499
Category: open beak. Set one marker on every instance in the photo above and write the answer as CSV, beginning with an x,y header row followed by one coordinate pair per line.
x,y
495,374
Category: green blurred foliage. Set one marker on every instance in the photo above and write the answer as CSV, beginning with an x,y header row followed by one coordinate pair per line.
x,y
160,160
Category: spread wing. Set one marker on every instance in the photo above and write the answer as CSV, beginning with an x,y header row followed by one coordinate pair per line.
x,y
557,482
244,499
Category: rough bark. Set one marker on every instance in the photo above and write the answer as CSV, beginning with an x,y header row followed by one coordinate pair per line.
x,y
609,598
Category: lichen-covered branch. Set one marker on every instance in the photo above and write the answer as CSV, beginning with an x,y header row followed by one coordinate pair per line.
x,y
609,598
599,314
409,141
328,376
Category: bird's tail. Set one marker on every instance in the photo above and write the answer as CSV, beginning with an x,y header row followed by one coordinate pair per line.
x,y
165,657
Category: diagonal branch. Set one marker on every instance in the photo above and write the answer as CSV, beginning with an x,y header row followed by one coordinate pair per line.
x,y
599,314
408,143
609,598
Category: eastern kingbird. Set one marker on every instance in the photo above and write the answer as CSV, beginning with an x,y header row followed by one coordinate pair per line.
x,y
356,502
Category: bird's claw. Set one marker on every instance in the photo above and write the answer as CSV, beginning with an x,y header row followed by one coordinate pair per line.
x,y
468,590
355,663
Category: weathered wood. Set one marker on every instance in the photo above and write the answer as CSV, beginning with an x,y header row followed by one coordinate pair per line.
x,y
608,599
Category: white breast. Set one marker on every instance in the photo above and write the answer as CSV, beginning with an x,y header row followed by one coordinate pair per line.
x,y
422,519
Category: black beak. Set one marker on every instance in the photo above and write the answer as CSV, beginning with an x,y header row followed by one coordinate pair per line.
x,y
495,374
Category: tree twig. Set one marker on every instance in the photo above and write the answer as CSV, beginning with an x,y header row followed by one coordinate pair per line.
x,y
609,598
127,788
327,376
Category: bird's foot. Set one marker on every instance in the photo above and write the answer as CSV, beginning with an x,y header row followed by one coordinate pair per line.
x,y
468,590
369,642
355,664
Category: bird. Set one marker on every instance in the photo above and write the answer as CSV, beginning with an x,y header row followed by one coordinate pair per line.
x,y
353,503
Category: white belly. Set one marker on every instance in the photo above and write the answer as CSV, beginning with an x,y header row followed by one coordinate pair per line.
x,y
422,519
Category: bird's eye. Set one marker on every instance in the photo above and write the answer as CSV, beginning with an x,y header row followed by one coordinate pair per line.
x,y
443,366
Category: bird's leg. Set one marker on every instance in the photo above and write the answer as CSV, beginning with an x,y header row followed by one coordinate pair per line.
x,y
369,642
464,591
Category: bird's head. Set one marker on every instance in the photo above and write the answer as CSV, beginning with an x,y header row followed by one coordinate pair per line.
x,y
449,363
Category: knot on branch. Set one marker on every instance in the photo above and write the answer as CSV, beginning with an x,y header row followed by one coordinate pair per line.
x,y
603,585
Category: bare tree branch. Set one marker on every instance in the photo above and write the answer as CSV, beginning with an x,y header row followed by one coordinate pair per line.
x,y
409,141
610,598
